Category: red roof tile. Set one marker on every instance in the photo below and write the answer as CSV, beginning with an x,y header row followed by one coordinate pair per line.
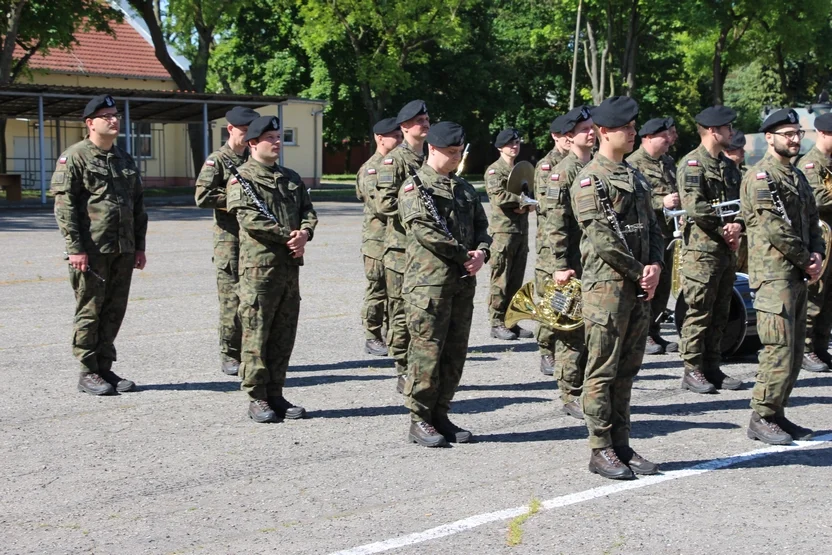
x,y
127,54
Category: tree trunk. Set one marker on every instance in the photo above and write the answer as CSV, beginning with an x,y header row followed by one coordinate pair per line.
x,y
719,50
628,66
781,72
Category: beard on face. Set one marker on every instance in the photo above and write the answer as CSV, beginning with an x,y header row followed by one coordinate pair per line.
x,y
785,150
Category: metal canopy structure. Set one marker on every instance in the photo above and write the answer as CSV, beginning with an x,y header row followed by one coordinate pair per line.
x,y
42,102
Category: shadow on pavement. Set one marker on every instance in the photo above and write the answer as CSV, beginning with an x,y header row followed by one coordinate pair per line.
x,y
552,434
717,404
817,457
530,386
190,386
375,362
525,347
657,377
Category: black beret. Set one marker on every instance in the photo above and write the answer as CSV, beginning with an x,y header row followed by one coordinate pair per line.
x,y
555,126
653,126
616,111
239,116
824,122
411,110
670,122
573,117
98,102
385,126
737,140
784,116
260,126
446,133
506,136
715,116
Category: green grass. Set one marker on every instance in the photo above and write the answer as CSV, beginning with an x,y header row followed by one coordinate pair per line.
x,y
515,527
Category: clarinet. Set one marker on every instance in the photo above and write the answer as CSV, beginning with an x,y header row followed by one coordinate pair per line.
x,y
612,218
433,212
780,208
246,185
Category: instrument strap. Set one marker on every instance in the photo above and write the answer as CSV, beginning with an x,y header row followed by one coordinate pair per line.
x,y
246,185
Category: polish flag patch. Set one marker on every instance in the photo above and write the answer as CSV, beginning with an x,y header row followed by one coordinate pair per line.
x,y
555,177
693,163
209,163
409,187
371,171
545,167
234,180
62,160
388,161
810,166
492,172
586,182
762,175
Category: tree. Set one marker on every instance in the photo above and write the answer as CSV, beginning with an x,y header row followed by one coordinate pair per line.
x,y
39,26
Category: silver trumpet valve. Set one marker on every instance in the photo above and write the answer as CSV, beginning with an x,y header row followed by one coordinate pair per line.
x,y
677,216
726,209
525,201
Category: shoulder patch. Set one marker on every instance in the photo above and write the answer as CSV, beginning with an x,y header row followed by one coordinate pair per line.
x,y
62,160
693,163
555,177
209,163
810,166
586,203
371,171
763,194
545,167
586,182
235,194
762,175
492,172
409,187
388,161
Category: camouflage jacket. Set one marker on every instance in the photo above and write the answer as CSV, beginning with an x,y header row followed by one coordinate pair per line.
x,y
262,241
395,169
503,217
777,249
541,183
433,258
99,200
375,224
604,256
211,190
703,180
660,174
560,234
817,167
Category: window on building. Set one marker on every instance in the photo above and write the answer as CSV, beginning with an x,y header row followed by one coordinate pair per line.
x,y
142,140
290,135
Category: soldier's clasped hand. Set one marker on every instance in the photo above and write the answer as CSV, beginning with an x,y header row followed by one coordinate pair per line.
x,y
563,276
475,262
671,201
814,267
79,261
731,234
650,279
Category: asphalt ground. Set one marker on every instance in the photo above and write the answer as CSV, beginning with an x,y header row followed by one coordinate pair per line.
x,y
177,467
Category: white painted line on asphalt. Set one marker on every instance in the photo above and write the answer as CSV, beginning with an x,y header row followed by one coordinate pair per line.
x,y
574,498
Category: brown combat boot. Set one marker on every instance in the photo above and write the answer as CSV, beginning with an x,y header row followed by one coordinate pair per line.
x,y
89,382
813,363
400,383
573,409
547,365
502,332
522,333
722,380
449,430
652,347
636,462
606,463
426,435
260,411
285,409
767,430
122,385
229,366
694,380
375,347
798,433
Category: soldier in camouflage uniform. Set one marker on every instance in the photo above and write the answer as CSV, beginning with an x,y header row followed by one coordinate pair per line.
x,y
544,264
448,239
608,193
273,239
785,247
817,167
211,193
395,168
562,238
650,161
706,176
736,153
509,230
99,206
373,314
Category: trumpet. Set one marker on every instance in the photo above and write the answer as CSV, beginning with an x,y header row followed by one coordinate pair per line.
x,y
727,209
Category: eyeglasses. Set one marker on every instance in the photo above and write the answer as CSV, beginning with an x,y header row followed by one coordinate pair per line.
x,y
108,117
791,135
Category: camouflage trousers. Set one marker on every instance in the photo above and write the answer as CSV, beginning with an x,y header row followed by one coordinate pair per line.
x,y
570,363
545,335
269,308
398,336
616,326
707,286
227,260
439,321
373,313
100,308
659,302
819,314
781,325
509,253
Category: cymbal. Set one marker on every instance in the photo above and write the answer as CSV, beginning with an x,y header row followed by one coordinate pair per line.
x,y
521,178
